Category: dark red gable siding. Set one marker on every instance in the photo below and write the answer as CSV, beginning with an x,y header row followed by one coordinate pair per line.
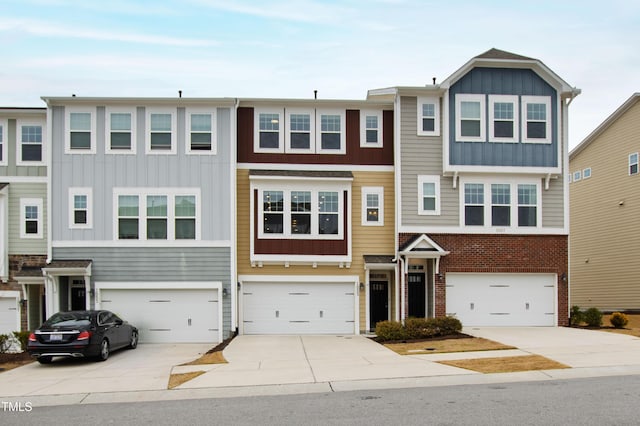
x,y
354,153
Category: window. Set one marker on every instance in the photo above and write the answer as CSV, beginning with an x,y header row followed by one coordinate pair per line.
x,y
31,213
633,163
120,131
30,140
156,217
536,119
428,195
185,212
300,212
428,116
309,131
577,175
300,131
527,205
474,204
273,212
503,111
201,135
586,173
128,217
81,129
269,130
371,129
80,202
500,204
328,220
3,143
331,135
470,118
161,132
373,206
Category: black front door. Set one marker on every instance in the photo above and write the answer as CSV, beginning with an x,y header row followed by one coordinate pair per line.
x,y
378,302
78,300
417,299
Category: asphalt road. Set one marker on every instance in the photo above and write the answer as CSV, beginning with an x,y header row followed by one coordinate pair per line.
x,y
593,401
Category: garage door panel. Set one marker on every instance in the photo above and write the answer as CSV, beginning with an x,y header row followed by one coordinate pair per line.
x,y
8,315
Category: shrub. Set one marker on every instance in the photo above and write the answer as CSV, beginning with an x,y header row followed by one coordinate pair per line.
x,y
593,317
618,320
390,330
23,338
576,317
447,325
420,328
5,343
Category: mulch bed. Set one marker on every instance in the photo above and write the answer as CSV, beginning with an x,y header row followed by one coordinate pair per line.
x,y
431,339
14,357
221,345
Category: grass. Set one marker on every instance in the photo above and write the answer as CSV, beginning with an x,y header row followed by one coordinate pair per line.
x,y
506,364
178,379
465,344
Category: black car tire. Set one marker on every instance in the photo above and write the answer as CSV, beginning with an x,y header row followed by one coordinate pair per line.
x,y
104,350
45,359
133,343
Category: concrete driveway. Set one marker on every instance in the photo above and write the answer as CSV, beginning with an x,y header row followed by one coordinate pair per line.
x,y
146,368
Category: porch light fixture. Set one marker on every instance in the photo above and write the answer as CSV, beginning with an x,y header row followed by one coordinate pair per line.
x,y
224,292
440,276
361,286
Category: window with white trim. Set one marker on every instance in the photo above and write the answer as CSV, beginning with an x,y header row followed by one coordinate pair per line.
x,y
429,195
536,119
331,132
268,130
527,205
201,134
470,118
301,212
633,163
474,204
128,217
185,216
503,113
586,173
371,129
372,206
3,143
120,125
30,140
31,222
500,204
577,175
273,212
81,129
300,136
80,208
161,131
156,217
428,116
329,208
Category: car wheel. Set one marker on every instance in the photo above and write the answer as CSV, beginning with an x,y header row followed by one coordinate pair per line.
x,y
133,343
45,359
104,350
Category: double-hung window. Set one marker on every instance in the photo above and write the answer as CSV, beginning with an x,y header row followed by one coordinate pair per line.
x,y
156,217
201,132
30,137
331,132
500,204
633,164
527,205
273,212
80,203
371,129
128,217
161,131
429,195
372,206
536,119
31,213
81,128
269,130
120,125
428,116
301,131
470,118
328,206
185,213
474,204
503,113
300,212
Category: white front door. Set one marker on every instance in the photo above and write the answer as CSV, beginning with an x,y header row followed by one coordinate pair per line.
x,y
9,314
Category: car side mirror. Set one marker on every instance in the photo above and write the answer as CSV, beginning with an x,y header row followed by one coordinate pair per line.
x,y
119,322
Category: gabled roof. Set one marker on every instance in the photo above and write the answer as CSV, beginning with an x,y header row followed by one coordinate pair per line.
x,y
424,244
494,53
605,124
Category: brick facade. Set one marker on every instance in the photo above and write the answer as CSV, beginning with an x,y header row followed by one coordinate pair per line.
x,y
502,254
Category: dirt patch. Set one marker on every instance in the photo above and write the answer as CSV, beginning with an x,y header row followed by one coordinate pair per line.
x,y
208,358
510,364
11,361
439,346
178,379
631,329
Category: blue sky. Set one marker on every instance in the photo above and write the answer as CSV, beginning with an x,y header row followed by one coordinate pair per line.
x,y
287,48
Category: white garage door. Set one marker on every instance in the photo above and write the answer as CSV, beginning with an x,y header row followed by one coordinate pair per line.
x,y
298,308
502,299
167,315
8,315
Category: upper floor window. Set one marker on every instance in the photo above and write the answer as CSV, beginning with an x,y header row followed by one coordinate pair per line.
x,y
128,217
80,137
331,132
273,212
633,163
329,218
371,129
269,131
500,204
309,131
577,175
31,218
586,173
156,217
80,203
120,125
373,206
474,204
201,137
185,217
429,195
300,131
161,137
527,205
503,113
536,119
470,118
3,144
428,116
30,138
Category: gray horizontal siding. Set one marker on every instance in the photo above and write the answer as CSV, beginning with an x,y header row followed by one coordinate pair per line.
x,y
10,138
553,204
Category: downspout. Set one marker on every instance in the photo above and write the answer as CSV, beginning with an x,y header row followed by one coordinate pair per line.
x,y
399,284
234,255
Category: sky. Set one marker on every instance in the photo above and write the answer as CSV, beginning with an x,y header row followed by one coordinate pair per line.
x,y
289,48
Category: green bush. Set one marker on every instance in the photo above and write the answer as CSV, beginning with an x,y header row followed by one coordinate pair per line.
x,y
618,320
576,317
5,343
23,338
419,328
447,325
390,330
593,317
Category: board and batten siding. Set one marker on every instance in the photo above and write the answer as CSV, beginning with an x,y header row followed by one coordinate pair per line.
x,y
152,264
19,245
102,172
604,237
10,138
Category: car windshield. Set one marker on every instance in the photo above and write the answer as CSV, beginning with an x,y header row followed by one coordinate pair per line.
x,y
69,319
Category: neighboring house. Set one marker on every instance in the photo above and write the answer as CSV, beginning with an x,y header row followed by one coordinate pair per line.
x,y
24,148
605,191
142,213
482,197
315,216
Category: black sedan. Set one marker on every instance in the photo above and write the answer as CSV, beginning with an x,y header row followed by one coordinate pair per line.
x,y
80,334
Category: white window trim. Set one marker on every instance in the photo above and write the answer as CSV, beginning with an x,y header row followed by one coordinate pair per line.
x,y
174,140
363,129
214,130
633,163
536,100
67,131
513,182
373,190
4,151
312,131
256,130
43,153
436,126
483,120
586,172
107,140
37,202
493,99
87,192
422,179
343,131
142,194
577,176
